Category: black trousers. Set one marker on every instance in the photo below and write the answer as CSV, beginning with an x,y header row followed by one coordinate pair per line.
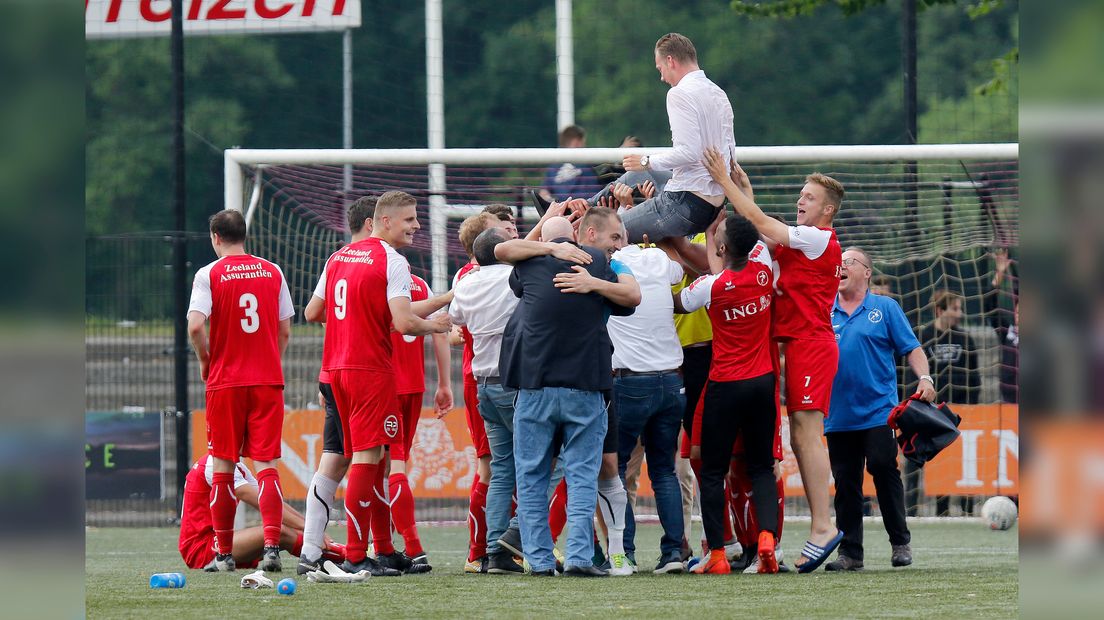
x,y
877,449
732,408
695,372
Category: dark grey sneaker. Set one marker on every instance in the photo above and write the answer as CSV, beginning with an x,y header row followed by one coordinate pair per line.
x,y
419,564
503,564
844,563
511,541
220,564
670,565
372,566
308,566
397,560
270,561
902,555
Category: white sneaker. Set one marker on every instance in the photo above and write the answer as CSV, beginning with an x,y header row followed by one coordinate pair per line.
x,y
734,551
620,565
752,568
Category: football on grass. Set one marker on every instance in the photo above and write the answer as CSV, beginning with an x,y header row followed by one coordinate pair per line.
x,y
999,513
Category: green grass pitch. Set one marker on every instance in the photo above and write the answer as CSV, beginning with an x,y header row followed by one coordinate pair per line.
x,y
961,570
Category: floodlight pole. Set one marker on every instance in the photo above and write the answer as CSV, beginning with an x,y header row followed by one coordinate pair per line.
x,y
435,121
180,254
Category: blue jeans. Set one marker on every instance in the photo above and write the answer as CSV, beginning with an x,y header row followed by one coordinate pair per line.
x,y
668,214
496,407
581,418
658,178
650,408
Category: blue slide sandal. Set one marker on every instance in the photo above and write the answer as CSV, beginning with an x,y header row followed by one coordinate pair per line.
x,y
815,555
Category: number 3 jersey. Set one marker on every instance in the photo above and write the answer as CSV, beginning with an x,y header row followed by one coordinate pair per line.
x,y
244,299
739,307
358,280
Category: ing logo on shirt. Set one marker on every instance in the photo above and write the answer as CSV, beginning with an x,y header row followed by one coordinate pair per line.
x,y
391,425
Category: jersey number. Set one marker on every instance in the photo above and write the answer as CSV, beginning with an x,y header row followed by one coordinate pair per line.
x,y
807,379
341,293
251,322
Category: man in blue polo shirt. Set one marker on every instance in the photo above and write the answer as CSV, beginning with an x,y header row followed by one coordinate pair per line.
x,y
872,333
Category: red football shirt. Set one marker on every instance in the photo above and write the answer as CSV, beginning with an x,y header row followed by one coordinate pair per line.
x,y
408,352
358,280
810,266
469,349
738,304
244,299
195,510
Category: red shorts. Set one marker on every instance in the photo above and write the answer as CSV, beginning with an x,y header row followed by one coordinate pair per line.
x,y
810,369
475,421
368,407
245,421
198,552
410,411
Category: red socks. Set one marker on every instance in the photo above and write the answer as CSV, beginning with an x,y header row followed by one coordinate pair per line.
x,y
224,504
557,510
402,512
781,506
270,500
477,520
381,515
359,500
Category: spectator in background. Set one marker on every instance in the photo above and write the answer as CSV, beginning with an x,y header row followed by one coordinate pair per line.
x,y
953,359
881,285
567,180
1007,325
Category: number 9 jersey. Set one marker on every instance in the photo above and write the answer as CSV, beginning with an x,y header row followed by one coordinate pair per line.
x,y
244,299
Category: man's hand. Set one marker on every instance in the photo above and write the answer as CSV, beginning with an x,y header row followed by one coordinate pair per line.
x,y
442,401
441,323
647,189
632,163
556,209
204,368
456,336
714,164
569,252
321,401
580,281
623,193
740,178
577,206
926,391
609,202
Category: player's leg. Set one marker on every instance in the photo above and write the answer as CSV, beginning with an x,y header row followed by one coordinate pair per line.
x,y
264,430
477,500
401,496
661,432
533,429
632,399
496,408
226,417
757,417
583,419
612,500
718,432
846,450
881,461
632,473
332,467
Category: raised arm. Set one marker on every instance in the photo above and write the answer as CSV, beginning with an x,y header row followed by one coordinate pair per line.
x,y
768,226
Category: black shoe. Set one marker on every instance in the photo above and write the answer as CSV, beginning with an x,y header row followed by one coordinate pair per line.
x,y
372,566
670,565
599,558
584,571
307,566
844,563
270,561
503,564
902,555
419,564
222,563
511,541
543,573
396,560
540,203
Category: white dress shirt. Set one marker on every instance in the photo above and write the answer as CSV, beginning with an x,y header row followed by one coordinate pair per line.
x,y
647,340
701,117
484,302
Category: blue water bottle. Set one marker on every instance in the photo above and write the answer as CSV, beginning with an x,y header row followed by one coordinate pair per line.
x,y
167,580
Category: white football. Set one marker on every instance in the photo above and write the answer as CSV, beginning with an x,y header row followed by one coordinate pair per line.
x,y
999,513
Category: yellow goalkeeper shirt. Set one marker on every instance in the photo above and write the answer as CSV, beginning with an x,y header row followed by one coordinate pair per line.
x,y
695,327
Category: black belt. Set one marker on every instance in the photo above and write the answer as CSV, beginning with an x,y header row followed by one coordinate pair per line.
x,y
491,380
625,372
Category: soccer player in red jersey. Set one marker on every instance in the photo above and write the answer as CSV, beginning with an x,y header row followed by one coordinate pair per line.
x,y
810,264
407,355
739,398
247,303
198,544
367,291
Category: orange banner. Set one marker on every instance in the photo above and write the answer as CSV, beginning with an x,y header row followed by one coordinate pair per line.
x,y
984,461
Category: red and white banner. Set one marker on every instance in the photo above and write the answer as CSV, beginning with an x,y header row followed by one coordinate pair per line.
x,y
117,19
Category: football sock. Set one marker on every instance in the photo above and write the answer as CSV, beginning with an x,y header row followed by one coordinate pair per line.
x,y
612,501
359,499
320,496
270,500
297,546
402,513
477,520
224,504
381,515
557,510
781,505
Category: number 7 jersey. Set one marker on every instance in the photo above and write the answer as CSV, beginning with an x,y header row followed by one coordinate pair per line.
x,y
244,299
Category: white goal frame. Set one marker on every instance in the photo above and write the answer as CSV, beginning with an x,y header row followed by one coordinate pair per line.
x,y
236,160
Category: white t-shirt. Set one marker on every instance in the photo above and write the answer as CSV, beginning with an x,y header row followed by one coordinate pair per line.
x,y
647,340
484,302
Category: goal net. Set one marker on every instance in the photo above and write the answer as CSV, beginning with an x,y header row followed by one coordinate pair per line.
x,y
931,218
